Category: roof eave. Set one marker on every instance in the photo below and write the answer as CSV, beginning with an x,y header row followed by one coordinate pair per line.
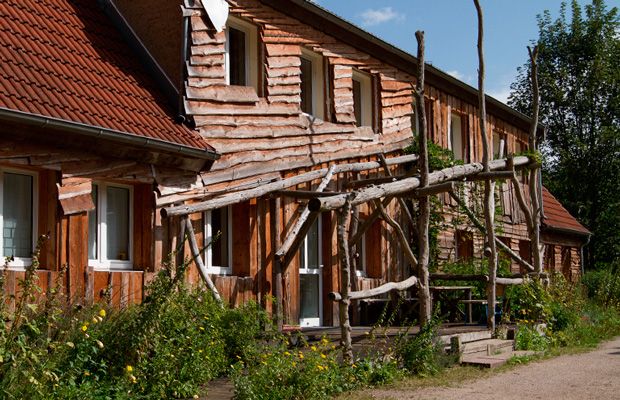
x,y
96,132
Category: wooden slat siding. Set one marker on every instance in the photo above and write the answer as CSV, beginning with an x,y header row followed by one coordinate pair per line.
x,y
77,254
100,285
48,203
143,243
254,254
242,239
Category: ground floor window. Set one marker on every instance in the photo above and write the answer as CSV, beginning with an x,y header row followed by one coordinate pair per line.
x,y
18,213
310,280
110,227
218,237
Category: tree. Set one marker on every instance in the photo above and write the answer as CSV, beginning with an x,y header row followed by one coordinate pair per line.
x,y
579,76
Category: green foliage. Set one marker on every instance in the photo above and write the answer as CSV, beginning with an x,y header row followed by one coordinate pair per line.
x,y
438,157
579,83
603,286
528,338
421,354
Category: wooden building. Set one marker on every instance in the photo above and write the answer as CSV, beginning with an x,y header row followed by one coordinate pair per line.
x,y
124,104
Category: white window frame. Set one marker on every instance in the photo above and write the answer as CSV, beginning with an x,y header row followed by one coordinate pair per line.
x,y
102,262
501,146
366,96
318,80
208,229
361,254
304,269
20,263
251,50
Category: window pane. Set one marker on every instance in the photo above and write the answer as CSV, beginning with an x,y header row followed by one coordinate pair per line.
x,y
117,223
357,102
313,246
219,225
306,86
17,214
236,54
93,233
309,285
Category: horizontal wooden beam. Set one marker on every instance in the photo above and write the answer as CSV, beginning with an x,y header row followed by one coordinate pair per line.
x,y
509,281
238,197
435,189
404,185
493,176
374,181
303,194
378,291
459,277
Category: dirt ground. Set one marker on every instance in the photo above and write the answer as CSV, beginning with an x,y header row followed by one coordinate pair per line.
x,y
593,375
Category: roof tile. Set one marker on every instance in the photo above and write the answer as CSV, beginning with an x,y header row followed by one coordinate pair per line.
x,y
64,59
556,216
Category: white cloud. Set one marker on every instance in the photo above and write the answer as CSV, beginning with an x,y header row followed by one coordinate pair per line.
x,y
460,76
379,16
500,94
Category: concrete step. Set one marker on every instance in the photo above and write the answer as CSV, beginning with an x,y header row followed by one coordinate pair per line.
x,y
484,361
467,337
488,347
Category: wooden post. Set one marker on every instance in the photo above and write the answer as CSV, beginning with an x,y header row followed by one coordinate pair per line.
x,y
489,186
425,206
344,217
276,231
197,256
535,175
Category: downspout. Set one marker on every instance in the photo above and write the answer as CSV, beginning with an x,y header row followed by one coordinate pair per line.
x,y
583,263
181,115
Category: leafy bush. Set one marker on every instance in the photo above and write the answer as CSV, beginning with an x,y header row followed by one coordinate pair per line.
x,y
528,338
603,285
421,354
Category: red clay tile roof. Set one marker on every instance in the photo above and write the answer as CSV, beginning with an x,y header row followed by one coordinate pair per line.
x,y
556,216
64,59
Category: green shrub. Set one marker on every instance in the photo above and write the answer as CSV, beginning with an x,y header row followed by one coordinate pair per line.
x,y
528,338
603,285
421,354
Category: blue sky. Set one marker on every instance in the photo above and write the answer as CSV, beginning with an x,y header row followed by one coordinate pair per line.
x,y
451,32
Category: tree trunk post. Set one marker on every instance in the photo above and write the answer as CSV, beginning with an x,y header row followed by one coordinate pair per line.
x,y
344,217
425,206
489,186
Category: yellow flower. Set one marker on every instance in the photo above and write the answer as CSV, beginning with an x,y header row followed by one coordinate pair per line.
x,y
95,320
133,379
301,355
129,368
84,328
102,313
323,356
294,364
320,367
86,373
313,348
201,328
286,353
324,341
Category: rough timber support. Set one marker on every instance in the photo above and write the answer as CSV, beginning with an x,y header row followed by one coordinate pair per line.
x,y
344,217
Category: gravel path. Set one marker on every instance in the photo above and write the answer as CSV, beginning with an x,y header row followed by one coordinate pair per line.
x,y
593,375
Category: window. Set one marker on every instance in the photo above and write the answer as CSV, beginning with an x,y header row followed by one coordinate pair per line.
x,y
310,281
360,265
525,252
499,145
464,246
457,141
312,78
218,237
241,53
110,227
18,213
362,98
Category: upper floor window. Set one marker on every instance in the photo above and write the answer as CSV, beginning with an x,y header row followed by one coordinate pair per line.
x,y
110,227
499,145
218,239
18,213
464,246
362,98
457,141
241,53
312,78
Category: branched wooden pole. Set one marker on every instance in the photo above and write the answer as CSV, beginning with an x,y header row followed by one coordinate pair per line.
x,y
535,175
197,258
344,217
425,206
482,229
489,186
399,232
